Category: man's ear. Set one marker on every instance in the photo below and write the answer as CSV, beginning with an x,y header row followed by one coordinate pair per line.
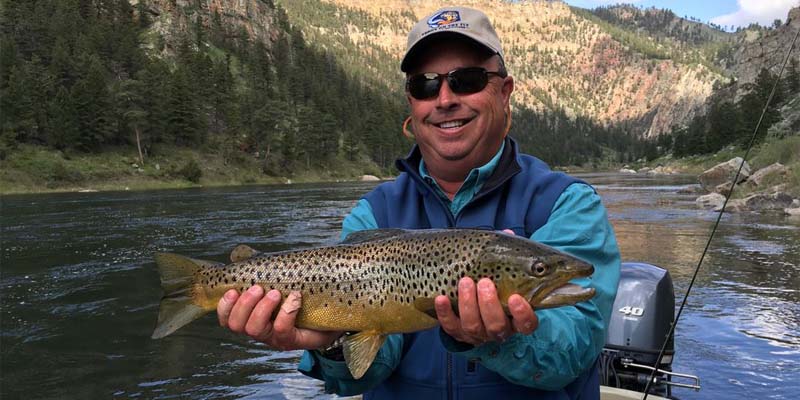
x,y
508,88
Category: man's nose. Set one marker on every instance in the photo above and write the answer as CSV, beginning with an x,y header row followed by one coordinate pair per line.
x,y
447,99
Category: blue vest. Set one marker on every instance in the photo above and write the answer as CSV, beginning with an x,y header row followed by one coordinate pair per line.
x,y
518,195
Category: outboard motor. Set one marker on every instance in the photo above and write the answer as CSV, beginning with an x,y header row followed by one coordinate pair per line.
x,y
640,321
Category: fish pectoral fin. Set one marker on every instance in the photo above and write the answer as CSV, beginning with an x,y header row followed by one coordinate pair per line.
x,y
360,350
243,252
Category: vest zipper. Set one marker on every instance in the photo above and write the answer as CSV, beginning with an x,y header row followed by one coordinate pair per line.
x,y
449,376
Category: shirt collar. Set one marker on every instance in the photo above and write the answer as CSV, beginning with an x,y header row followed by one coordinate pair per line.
x,y
475,179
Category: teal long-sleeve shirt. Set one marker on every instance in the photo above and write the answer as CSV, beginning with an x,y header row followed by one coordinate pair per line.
x,y
567,340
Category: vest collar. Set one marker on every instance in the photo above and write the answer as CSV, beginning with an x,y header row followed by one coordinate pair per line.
x,y
507,167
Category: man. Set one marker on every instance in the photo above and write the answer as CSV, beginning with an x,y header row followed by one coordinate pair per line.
x,y
464,172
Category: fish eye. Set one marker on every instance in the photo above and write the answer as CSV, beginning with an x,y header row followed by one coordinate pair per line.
x,y
539,269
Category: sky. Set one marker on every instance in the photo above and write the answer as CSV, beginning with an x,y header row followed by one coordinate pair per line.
x,y
720,12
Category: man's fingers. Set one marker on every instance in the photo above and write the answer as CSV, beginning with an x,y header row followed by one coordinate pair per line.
x,y
468,310
447,318
259,325
523,317
244,307
283,330
493,317
225,306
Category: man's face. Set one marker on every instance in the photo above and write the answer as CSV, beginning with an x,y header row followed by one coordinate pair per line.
x,y
460,130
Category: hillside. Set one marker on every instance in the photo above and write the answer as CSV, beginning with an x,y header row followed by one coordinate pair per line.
x,y
563,58
93,91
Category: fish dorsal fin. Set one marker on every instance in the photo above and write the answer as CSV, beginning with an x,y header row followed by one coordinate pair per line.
x,y
243,252
360,350
372,235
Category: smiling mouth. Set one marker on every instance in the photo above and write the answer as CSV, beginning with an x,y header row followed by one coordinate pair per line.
x,y
452,124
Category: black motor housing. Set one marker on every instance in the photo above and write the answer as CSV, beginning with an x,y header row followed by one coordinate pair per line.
x,y
640,321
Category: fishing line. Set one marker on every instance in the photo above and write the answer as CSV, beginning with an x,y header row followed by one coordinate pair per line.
x,y
719,217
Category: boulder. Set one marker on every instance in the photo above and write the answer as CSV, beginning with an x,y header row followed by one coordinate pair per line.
x,y
734,205
724,172
369,178
775,171
777,188
711,200
794,212
723,188
627,171
645,170
767,202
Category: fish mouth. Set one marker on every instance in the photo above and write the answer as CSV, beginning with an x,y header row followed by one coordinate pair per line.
x,y
561,292
567,294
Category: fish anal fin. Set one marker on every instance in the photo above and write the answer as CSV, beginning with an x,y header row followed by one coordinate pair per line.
x,y
243,252
360,350
373,234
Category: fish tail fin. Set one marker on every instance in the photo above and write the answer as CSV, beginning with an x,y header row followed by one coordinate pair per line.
x,y
182,302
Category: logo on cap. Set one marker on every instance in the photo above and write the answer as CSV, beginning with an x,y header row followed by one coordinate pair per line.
x,y
444,18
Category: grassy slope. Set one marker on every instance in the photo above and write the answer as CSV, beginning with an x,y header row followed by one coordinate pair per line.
x,y
32,169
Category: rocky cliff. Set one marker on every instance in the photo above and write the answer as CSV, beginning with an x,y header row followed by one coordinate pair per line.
x,y
646,69
764,48
175,19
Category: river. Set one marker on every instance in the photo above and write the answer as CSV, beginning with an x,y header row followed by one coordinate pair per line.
x,y
79,291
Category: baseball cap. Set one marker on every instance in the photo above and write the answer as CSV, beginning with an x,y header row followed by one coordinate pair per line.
x,y
464,21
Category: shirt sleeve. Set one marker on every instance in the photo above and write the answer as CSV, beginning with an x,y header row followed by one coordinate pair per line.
x,y
568,339
336,375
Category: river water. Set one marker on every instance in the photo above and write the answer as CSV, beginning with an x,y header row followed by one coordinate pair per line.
x,y
79,290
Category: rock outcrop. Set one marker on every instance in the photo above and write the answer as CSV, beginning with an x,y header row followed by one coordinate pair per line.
x,y
761,202
711,200
723,173
763,49
765,198
769,173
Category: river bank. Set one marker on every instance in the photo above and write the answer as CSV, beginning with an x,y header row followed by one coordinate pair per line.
x,y
33,169
785,151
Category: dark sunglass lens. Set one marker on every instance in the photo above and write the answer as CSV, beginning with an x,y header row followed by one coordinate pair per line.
x,y
468,80
424,86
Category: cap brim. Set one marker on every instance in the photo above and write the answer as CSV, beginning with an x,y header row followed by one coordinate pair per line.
x,y
408,60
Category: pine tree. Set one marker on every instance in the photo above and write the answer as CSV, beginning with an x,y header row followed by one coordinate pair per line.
x,y
793,78
93,106
723,120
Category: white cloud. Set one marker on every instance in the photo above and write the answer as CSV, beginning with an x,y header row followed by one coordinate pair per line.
x,y
759,11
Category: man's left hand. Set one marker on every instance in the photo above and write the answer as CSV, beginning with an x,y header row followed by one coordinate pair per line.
x,y
481,317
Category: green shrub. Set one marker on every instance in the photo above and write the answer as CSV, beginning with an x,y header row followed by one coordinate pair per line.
x,y
191,172
784,151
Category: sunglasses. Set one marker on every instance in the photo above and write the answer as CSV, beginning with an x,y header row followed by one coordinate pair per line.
x,y
460,81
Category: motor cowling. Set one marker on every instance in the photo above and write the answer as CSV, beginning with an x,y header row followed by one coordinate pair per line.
x,y
640,321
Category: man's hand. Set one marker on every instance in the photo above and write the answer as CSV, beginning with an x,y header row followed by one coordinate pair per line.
x,y
251,314
481,318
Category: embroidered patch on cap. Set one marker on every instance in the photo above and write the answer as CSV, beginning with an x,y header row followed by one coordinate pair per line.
x,y
444,18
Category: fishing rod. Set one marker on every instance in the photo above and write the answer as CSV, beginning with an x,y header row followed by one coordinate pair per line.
x,y
651,379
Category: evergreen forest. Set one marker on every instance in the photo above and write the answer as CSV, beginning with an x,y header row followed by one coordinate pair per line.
x,y
86,76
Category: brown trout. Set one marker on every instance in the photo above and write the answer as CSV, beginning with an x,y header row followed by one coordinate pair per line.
x,y
376,282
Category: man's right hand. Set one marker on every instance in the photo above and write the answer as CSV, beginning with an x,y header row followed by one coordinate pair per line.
x,y
251,313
